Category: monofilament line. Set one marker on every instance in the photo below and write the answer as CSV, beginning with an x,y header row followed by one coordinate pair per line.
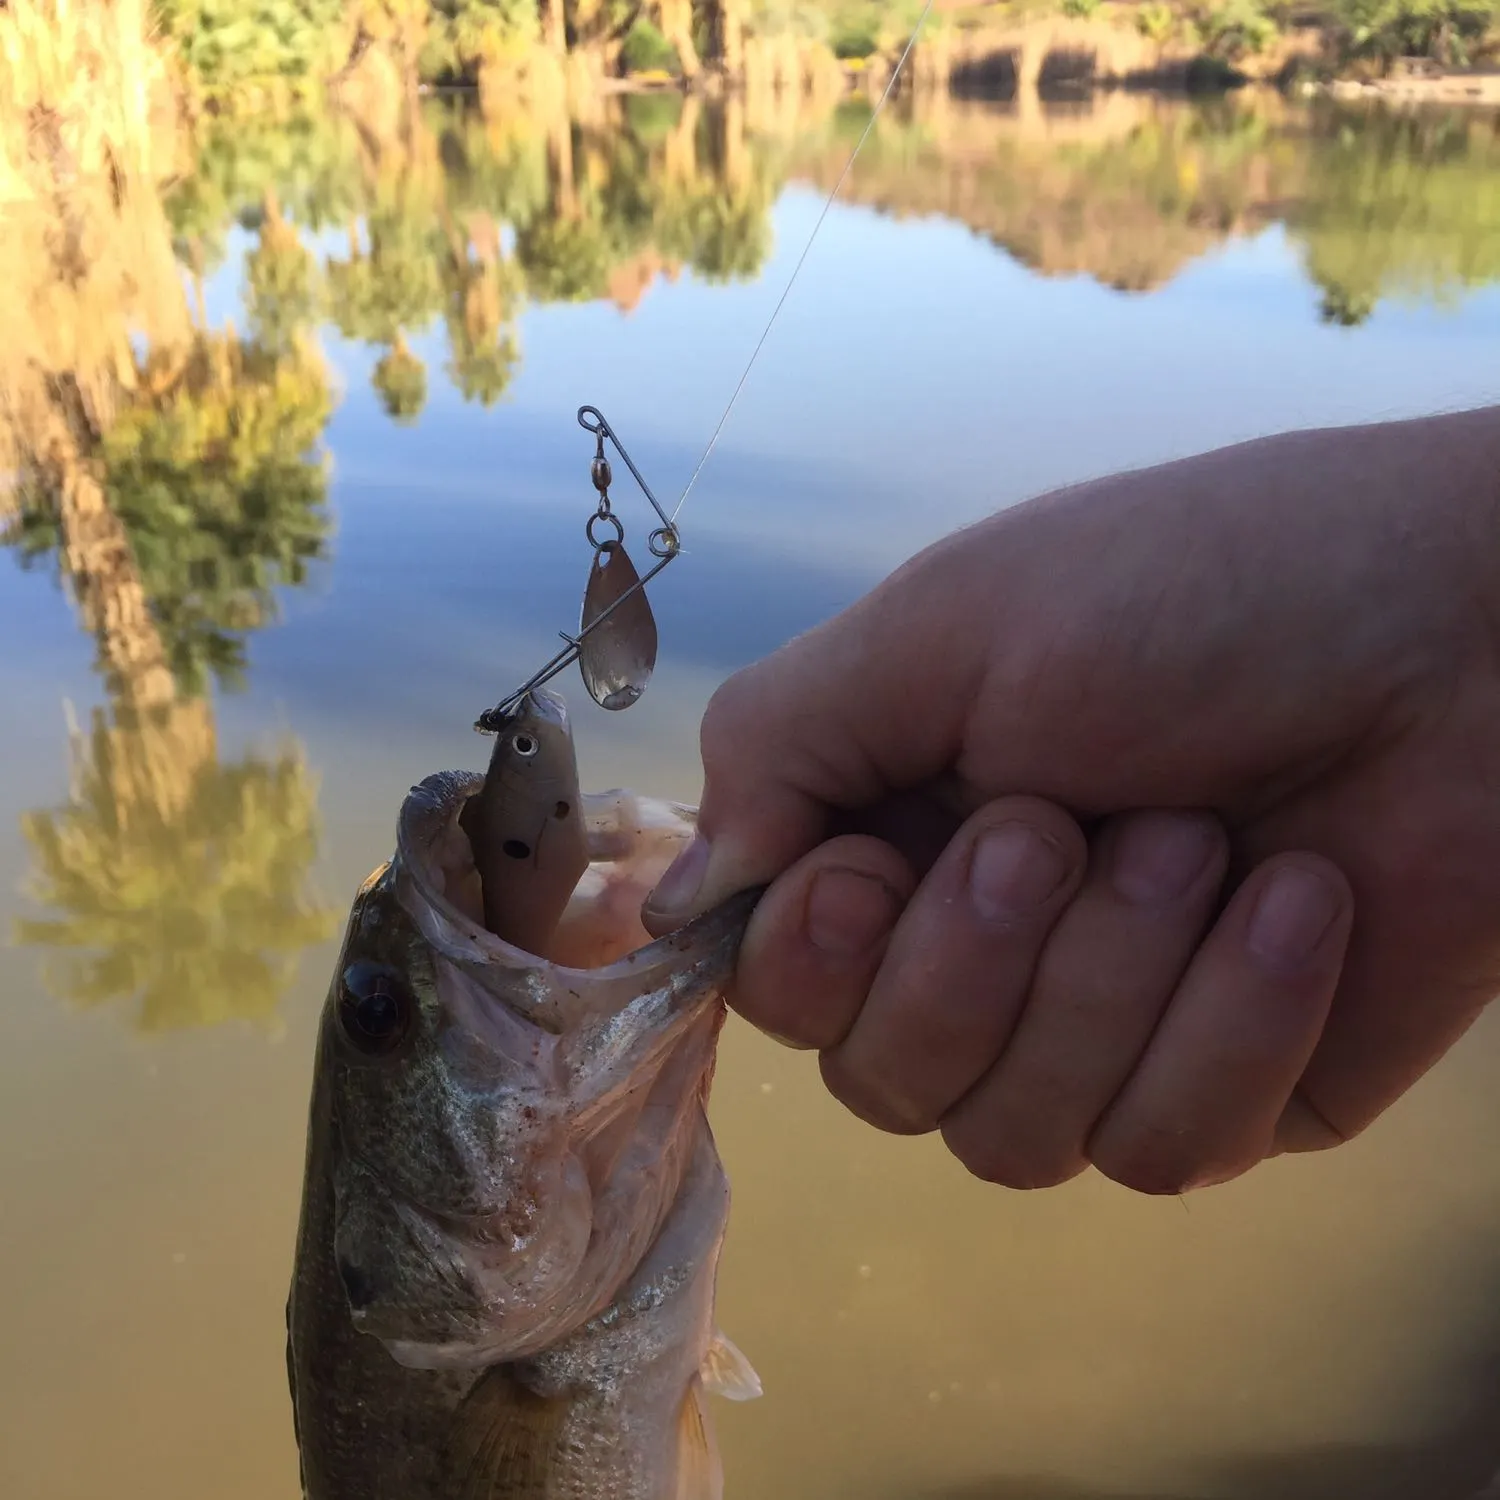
x,y
911,42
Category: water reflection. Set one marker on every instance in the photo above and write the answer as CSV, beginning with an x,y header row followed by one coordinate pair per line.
x,y
172,483
1404,208
181,880
450,218
1131,190
462,220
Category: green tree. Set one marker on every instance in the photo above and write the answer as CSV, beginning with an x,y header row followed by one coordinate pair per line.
x,y
1387,29
464,35
1156,21
646,50
229,45
1233,29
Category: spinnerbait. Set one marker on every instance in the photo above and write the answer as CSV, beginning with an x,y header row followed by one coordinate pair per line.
x,y
615,647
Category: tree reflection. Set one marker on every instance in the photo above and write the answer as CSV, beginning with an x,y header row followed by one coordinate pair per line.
x,y
180,880
483,290
1399,207
283,283
388,285
460,221
1131,190
172,481
401,380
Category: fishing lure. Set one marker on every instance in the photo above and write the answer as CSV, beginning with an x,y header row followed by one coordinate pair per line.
x,y
615,646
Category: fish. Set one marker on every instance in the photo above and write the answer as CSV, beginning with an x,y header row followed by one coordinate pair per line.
x,y
525,825
513,1206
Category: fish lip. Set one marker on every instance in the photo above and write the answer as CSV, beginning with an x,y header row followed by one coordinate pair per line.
x,y
462,939
547,705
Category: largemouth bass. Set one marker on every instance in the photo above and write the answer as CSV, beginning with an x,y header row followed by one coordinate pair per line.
x,y
513,1205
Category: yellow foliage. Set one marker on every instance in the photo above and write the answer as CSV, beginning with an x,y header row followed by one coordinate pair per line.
x,y
85,91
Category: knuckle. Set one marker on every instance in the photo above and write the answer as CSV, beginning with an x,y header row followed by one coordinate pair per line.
x,y
724,721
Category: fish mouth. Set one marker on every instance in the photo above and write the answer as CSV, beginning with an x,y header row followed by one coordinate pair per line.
x,y
543,704
632,840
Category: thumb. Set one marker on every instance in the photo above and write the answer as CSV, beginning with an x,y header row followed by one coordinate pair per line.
x,y
872,702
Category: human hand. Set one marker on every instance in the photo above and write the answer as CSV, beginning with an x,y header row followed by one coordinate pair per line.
x,y
1152,823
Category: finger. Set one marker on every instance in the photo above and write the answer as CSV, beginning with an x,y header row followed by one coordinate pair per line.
x,y
1104,979
957,967
816,939
871,701
1202,1104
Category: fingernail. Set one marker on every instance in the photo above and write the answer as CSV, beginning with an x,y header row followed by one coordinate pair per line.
x,y
677,887
1291,917
1013,869
1159,855
849,912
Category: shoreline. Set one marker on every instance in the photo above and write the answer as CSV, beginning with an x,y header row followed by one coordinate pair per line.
x,y
1475,90
1472,90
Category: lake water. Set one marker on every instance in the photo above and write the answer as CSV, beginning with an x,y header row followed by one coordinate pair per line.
x,y
260,661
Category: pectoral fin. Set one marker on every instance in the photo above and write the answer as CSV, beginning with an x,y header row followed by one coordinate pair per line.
x,y
504,1441
726,1372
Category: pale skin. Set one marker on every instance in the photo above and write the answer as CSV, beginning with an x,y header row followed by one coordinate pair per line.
x,y
1152,825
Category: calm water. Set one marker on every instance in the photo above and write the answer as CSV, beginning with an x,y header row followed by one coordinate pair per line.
x,y
260,659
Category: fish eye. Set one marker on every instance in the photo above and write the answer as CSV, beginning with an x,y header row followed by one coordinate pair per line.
x,y
524,745
375,1008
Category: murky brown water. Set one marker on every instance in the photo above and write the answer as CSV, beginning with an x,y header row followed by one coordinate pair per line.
x,y
1040,296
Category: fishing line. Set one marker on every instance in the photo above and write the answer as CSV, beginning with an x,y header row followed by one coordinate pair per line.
x,y
615,646
911,42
